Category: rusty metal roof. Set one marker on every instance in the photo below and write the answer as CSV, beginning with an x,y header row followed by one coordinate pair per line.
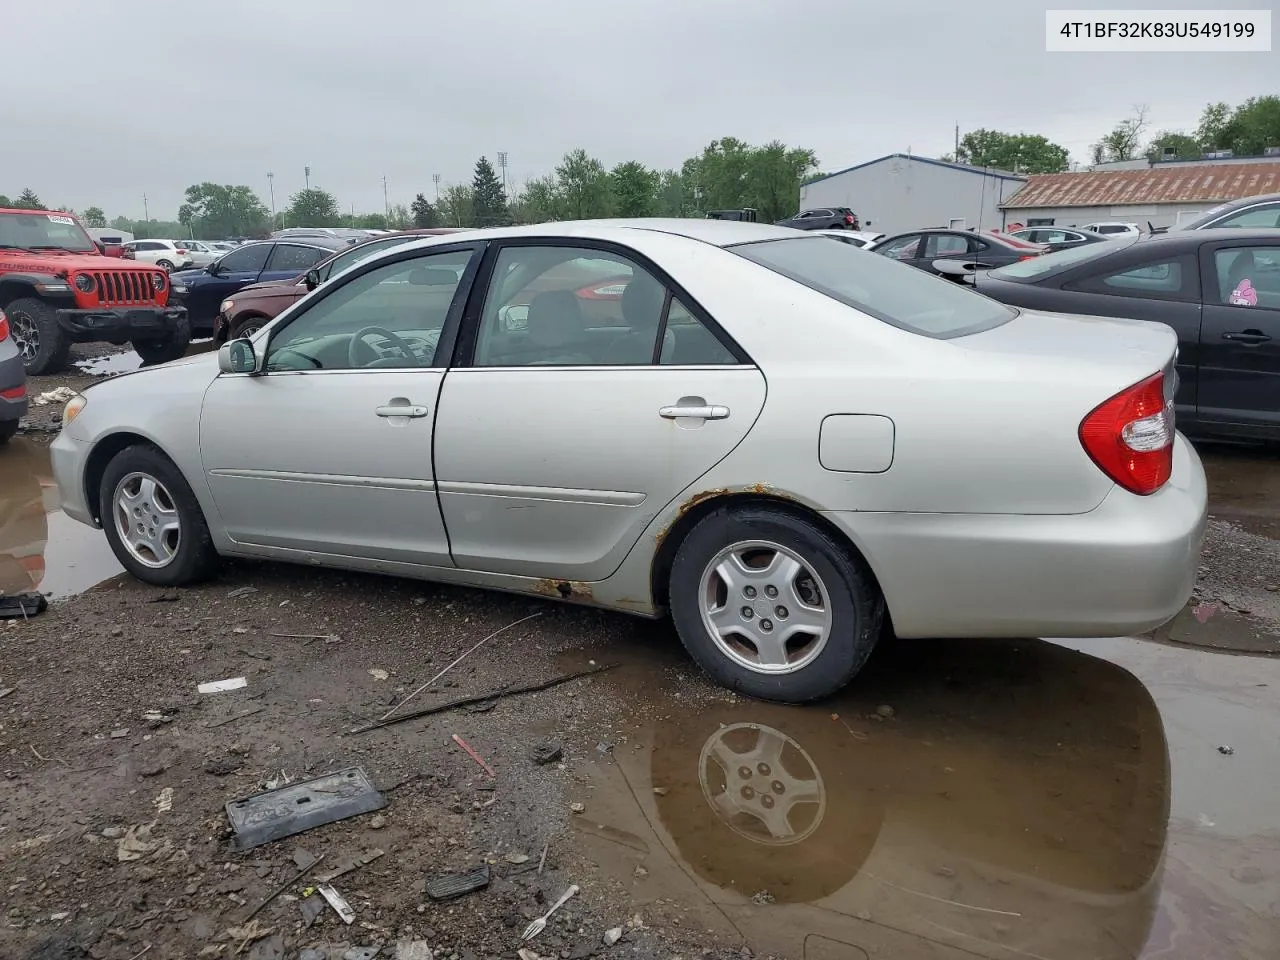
x,y
1212,183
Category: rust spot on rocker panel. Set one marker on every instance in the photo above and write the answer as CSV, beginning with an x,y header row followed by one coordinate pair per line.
x,y
573,590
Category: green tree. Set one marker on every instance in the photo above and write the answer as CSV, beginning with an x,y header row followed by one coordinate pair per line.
x,y
1185,146
399,217
1254,126
731,174
635,189
5,201
1020,152
123,224
488,199
539,201
673,199
222,210
94,217
1125,141
28,200
312,207
424,214
457,206
583,186
1215,128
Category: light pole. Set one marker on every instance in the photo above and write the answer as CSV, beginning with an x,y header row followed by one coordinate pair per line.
x,y
271,186
306,171
435,178
386,204
146,215
502,164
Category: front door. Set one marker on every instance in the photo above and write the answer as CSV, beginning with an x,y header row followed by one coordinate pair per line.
x,y
569,424
329,450
207,289
1240,334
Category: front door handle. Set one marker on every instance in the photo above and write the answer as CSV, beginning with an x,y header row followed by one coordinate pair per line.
x,y
677,411
401,410
1248,337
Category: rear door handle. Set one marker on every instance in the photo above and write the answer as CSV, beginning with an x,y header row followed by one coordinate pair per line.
x,y
401,410
1247,337
705,412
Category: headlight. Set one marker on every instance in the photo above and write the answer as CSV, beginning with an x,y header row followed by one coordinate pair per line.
x,y
227,306
72,409
85,283
159,281
179,288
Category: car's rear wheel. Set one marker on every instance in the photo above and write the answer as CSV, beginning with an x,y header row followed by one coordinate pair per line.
x,y
247,327
153,521
33,325
164,264
163,350
769,603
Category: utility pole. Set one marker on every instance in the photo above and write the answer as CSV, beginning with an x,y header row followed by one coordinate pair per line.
x,y
957,153
435,178
271,186
386,204
502,164
146,215
307,173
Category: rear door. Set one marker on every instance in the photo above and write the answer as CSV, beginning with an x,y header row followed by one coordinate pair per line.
x,y
560,432
289,260
942,246
237,269
1240,336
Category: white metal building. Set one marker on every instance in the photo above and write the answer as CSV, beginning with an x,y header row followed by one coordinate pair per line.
x,y
901,192
109,235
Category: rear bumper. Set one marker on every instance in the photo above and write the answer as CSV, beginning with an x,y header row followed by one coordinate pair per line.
x,y
1124,568
12,377
120,323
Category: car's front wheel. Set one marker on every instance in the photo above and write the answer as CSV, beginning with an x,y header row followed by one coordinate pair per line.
x,y
153,521
770,604
165,264
34,327
247,327
165,349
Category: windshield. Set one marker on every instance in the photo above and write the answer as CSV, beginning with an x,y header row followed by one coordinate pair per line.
x,y
1025,270
900,295
43,231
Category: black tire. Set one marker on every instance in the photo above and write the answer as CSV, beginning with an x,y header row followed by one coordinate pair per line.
x,y
170,348
164,265
8,429
49,353
195,558
854,602
247,327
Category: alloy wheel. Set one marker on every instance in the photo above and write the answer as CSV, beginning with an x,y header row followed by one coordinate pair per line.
x,y
25,334
146,518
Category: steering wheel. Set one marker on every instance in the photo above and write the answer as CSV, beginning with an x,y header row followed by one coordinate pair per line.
x,y
357,340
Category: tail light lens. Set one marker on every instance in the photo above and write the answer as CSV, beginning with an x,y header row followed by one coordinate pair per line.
x,y
181,252
848,218
14,393
4,326
1029,256
127,255
1130,436
609,290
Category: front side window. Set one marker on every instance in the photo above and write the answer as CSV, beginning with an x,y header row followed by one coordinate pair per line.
x,y
904,248
389,317
897,294
1248,277
356,254
294,258
249,259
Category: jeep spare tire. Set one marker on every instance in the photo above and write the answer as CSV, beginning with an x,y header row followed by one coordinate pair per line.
x,y
33,324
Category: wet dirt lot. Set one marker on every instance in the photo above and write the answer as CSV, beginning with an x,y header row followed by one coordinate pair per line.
x,y
997,799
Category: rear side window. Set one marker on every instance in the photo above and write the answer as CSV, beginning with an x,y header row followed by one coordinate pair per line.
x,y
1173,278
1050,263
895,293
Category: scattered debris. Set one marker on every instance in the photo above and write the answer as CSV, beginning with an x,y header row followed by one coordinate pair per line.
x,y
56,395
163,598
349,864
473,755
241,592
516,858
547,753
524,953
4,692
578,807
136,843
542,861
247,934
334,899
22,605
164,801
302,859
22,846
377,822
294,808
219,686
378,674
884,711
223,766
413,950
284,886
271,948
450,886
60,915
612,936
660,791
640,872
120,734
234,717
165,715
540,924
311,908
762,897
361,953
309,637
1226,750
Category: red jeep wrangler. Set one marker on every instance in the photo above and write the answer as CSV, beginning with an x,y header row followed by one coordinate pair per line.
x,y
57,287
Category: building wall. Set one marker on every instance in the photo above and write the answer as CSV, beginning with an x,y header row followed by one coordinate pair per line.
x,y
1159,214
897,194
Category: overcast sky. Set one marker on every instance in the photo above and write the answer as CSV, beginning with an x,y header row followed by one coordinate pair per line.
x,y
110,99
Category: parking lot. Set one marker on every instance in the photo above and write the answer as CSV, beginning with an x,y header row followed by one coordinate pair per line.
x,y
1093,798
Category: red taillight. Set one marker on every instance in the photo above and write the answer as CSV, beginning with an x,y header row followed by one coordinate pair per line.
x,y
180,252
1029,256
1130,436
4,326
14,393
609,290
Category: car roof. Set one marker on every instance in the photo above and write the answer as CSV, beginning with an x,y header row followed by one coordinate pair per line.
x,y
720,233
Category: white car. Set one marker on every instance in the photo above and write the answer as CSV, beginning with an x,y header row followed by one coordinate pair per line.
x,y
202,252
785,442
162,253
856,238
1114,229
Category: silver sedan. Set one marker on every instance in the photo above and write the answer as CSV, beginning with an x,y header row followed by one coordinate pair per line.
x,y
792,446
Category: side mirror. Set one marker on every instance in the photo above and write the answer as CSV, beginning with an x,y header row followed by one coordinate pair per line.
x,y
237,356
213,269
514,317
312,279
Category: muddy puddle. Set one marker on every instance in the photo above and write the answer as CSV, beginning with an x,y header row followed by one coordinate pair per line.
x,y
981,798
111,364
41,548
1244,486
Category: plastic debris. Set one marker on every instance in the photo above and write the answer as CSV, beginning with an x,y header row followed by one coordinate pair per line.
x,y
294,808
516,858
612,936
450,886
57,395
547,753
578,807
220,686
1226,750
164,801
378,674
335,900
413,950
351,863
241,592
540,924
473,755
136,843
20,606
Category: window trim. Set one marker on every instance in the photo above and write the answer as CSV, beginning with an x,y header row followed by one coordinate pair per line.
x,y
1091,283
265,260
883,245
1219,223
1209,269
463,350
448,333
267,267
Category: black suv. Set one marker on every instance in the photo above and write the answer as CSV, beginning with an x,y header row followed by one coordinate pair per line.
x,y
823,218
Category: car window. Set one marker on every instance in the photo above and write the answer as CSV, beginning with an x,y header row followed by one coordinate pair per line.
x,y
245,259
1172,278
566,306
903,248
355,255
1248,276
1267,216
897,294
294,258
688,342
1050,263
389,317
945,245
